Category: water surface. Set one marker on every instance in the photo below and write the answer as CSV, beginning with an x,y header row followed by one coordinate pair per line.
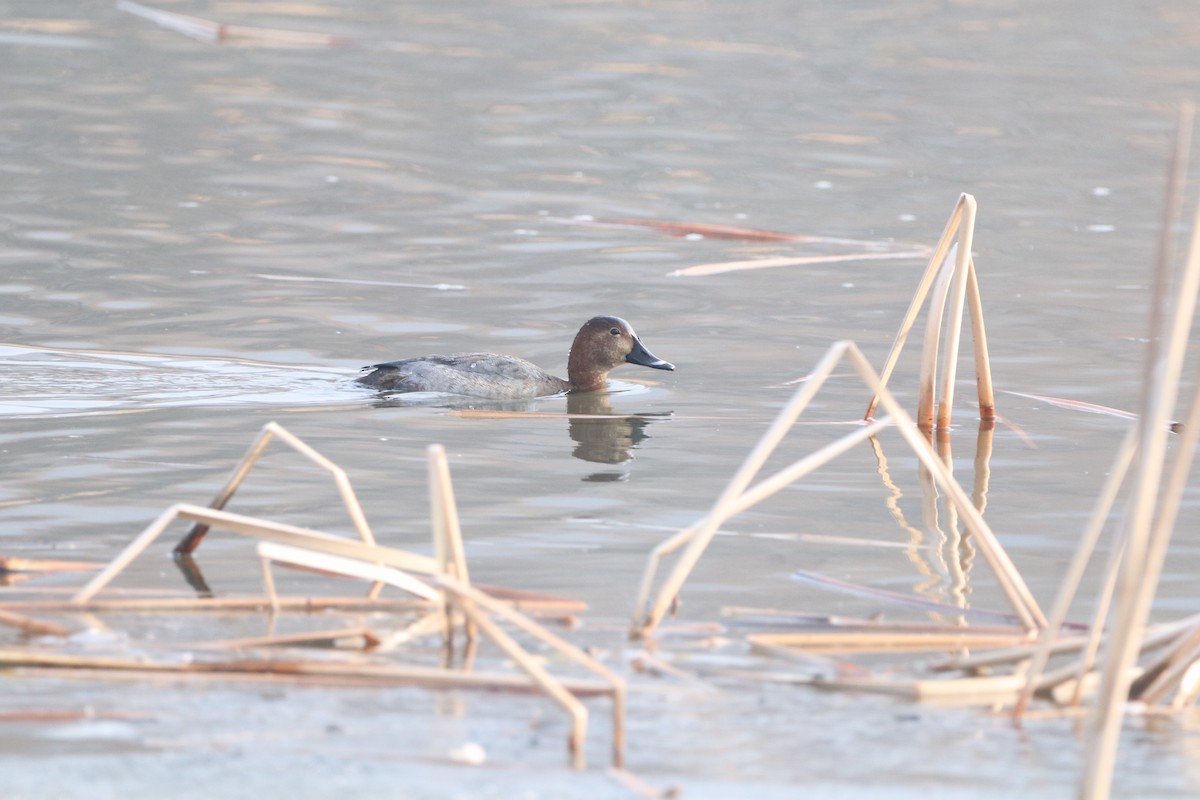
x,y
199,238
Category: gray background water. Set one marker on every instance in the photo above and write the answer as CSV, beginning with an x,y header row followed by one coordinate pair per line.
x,y
196,239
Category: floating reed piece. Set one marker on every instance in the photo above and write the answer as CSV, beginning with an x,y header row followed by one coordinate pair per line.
x,y
739,495
953,268
443,586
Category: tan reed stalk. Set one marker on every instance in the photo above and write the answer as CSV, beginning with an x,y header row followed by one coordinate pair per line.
x,y
1139,575
934,327
910,317
1069,585
736,497
470,600
1108,590
308,638
192,539
1187,694
11,564
447,535
196,533
491,605
262,529
973,691
1008,655
306,605
958,294
268,579
705,528
795,261
1010,580
359,672
1174,664
538,674
425,626
305,557
34,626
983,364
790,474
1167,506
1156,636
703,532
963,282
885,641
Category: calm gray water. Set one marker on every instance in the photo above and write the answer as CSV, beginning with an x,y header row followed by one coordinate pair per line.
x,y
196,239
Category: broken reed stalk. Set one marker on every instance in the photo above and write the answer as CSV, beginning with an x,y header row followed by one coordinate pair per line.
x,y
366,638
891,641
983,362
322,562
538,674
698,535
1175,663
192,539
1146,542
258,528
447,534
357,672
34,626
737,497
306,605
619,691
1069,585
960,279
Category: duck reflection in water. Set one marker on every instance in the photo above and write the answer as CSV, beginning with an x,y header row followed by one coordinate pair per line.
x,y
603,437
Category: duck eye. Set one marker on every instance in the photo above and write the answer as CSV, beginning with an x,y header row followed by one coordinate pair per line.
x,y
615,331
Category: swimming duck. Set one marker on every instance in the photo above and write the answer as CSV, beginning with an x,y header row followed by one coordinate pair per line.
x,y
601,344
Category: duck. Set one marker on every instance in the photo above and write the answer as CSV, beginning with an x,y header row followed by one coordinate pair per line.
x,y
603,343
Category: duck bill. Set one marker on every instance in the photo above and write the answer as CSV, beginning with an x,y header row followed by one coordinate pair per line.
x,y
640,355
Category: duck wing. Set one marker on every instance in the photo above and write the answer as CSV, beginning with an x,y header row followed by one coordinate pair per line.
x,y
474,374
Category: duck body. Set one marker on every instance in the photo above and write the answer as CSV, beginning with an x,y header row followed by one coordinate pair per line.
x,y
488,375
601,344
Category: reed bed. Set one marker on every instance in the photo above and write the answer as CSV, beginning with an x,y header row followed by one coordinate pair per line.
x,y
1118,658
952,267
438,598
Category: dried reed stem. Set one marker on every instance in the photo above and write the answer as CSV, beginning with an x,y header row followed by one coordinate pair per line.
x,y
193,537
1076,568
1011,582
447,535
914,307
262,529
983,364
619,691
737,497
34,626
705,528
1140,572
305,557
367,638
1175,665
538,674
958,294
934,325
360,672
886,641
307,605
958,284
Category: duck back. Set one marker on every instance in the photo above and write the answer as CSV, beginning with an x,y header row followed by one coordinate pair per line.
x,y
487,375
